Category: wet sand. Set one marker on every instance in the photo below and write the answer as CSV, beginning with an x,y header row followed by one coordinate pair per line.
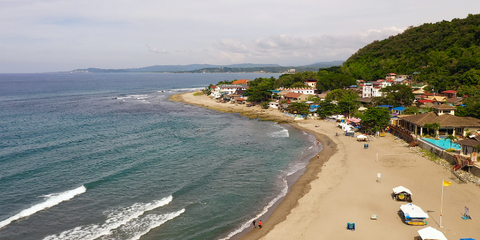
x,y
341,186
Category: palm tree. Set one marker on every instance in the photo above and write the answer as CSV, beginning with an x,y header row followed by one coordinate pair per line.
x,y
451,138
435,126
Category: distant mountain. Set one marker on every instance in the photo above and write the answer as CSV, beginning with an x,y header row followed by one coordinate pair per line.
x,y
325,64
243,67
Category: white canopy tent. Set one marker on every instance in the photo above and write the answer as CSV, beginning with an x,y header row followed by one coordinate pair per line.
x,y
431,234
413,211
401,189
361,136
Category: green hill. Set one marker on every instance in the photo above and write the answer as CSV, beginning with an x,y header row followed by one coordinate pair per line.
x,y
444,54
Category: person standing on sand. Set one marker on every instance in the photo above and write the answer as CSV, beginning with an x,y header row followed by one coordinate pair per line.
x,y
260,224
254,226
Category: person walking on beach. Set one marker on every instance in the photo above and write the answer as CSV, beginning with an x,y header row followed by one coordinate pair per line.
x,y
254,225
260,224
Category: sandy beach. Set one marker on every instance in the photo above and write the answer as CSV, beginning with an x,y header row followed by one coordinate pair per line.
x,y
341,186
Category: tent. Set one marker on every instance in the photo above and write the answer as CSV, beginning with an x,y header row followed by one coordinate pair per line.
x,y
431,233
362,138
414,215
402,193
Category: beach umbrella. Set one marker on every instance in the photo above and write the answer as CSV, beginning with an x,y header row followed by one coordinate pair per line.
x,y
431,233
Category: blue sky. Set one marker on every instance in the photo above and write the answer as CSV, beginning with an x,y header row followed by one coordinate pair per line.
x,y
62,35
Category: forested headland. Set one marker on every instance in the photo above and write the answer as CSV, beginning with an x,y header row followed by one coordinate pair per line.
x,y
445,55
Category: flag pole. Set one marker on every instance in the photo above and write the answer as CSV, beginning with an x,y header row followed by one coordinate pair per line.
x,y
441,205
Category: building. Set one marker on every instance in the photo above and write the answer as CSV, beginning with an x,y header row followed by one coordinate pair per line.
x,y
311,82
444,115
299,90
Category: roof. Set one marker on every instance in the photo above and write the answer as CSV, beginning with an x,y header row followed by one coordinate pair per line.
x,y
449,91
293,95
310,80
445,120
444,107
399,108
365,100
425,101
391,74
413,211
241,81
386,106
474,141
431,233
438,98
454,100
401,189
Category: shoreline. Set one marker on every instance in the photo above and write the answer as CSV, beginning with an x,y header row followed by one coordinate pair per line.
x,y
301,186
346,188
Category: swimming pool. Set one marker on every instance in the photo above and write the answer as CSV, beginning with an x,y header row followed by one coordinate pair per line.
x,y
443,143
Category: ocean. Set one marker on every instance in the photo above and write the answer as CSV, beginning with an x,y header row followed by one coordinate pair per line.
x,y
108,156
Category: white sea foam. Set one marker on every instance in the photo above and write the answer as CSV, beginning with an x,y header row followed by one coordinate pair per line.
x,y
142,226
279,134
185,89
265,209
50,201
115,219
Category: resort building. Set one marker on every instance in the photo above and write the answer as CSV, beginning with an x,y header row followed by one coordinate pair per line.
x,y
444,115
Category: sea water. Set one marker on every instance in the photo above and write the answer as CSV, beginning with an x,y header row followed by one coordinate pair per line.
x,y
108,156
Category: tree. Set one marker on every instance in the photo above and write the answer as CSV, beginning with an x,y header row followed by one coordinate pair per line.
x,y
398,95
375,119
451,138
346,100
410,110
435,126
258,90
299,85
472,107
298,108
326,108
334,81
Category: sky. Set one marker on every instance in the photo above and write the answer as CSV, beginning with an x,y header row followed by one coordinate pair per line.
x,y
63,35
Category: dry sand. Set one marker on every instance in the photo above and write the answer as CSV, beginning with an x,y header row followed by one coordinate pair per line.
x,y
342,187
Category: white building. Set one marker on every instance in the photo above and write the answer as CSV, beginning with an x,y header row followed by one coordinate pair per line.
x,y
299,90
227,89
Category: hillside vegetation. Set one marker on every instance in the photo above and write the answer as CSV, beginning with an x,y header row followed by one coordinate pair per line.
x,y
444,54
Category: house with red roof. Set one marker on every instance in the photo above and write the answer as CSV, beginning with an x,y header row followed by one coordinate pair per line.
x,y
241,81
450,93
391,76
296,97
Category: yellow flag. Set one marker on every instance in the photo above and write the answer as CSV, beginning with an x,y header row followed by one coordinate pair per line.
x,y
445,183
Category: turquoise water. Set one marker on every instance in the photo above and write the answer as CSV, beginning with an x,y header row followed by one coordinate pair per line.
x,y
108,156
443,143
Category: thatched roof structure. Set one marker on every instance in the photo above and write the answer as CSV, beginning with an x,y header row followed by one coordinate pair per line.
x,y
445,120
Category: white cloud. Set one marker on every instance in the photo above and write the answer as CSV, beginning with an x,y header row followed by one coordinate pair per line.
x,y
112,33
154,50
295,48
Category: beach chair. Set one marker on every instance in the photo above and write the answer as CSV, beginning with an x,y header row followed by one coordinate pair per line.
x,y
351,226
